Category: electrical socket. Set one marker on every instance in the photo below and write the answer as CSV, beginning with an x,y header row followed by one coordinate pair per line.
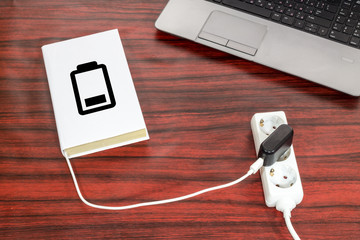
x,y
282,179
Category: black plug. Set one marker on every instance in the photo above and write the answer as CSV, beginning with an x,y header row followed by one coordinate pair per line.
x,y
274,146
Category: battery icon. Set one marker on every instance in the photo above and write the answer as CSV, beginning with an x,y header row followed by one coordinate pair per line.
x,y
92,88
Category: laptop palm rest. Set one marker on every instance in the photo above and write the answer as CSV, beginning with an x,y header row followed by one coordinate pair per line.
x,y
233,32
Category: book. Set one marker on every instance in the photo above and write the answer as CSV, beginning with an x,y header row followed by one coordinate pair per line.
x,y
93,95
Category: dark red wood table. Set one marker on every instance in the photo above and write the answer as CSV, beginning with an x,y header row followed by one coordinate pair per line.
x,y
197,104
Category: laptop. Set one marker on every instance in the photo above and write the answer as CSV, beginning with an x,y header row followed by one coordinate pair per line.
x,y
315,40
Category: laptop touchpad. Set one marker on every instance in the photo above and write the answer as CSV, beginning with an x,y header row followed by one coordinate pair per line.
x,y
233,32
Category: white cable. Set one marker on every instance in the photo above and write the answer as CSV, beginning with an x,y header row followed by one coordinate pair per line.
x,y
286,205
290,227
254,168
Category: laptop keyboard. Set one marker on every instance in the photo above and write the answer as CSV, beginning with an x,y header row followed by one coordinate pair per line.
x,y
337,20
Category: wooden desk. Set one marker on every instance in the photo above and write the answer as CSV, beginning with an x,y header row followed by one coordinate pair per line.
x,y
197,104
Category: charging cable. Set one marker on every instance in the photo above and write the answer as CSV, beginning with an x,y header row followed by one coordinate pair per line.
x,y
253,169
285,205
270,151
290,226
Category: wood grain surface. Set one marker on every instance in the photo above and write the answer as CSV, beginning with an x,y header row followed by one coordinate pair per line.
x,y
197,103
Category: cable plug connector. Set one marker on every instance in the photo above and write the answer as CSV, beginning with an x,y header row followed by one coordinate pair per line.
x,y
285,205
256,166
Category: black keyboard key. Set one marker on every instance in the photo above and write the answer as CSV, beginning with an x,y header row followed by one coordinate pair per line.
x,y
331,8
342,37
357,33
289,3
356,8
354,15
310,27
319,5
348,30
309,10
299,24
324,14
248,7
340,19
346,5
319,21
280,9
290,12
299,7
276,16
311,3
300,15
270,6
351,22
344,12
287,20
355,41
338,27
334,2
322,31
260,3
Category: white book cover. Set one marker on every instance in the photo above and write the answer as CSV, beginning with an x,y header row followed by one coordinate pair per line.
x,y
93,95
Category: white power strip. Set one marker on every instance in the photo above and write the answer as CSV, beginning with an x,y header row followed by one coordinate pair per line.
x,y
281,182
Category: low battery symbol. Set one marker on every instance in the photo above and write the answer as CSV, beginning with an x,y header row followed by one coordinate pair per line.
x,y
92,88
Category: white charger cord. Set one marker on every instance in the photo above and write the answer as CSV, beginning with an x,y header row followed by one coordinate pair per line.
x,y
253,169
290,227
286,205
